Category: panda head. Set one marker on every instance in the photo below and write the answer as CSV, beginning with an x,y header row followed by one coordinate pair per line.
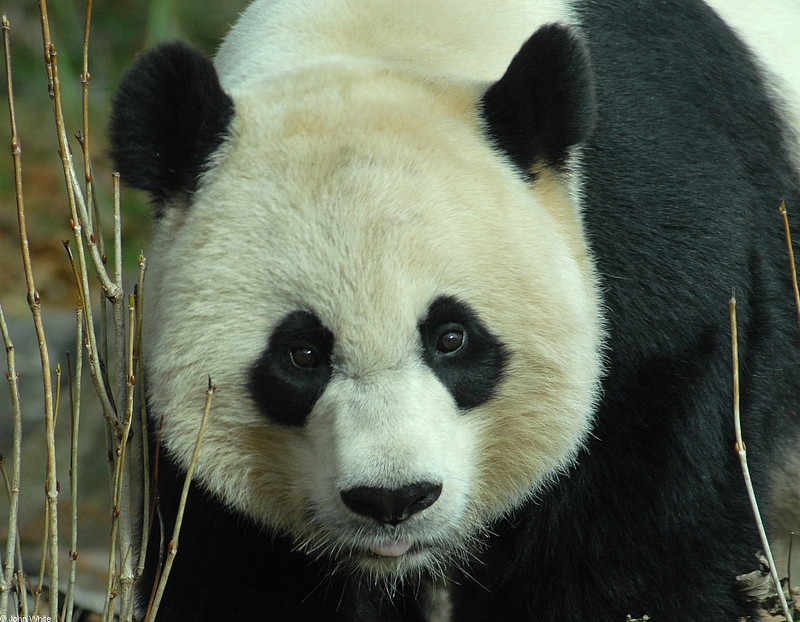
x,y
387,280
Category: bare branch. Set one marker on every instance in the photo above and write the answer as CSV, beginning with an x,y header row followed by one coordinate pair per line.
x,y
741,451
12,541
85,78
172,549
34,302
791,258
75,408
145,458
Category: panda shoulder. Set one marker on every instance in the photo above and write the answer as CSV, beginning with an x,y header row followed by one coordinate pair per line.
x,y
769,28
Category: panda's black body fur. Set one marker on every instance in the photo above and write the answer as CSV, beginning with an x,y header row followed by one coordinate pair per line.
x,y
683,171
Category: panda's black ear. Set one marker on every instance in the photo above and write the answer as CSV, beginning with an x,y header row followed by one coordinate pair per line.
x,y
544,103
168,116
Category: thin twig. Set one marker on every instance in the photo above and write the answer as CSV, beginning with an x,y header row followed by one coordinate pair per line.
x,y
37,594
13,490
155,513
145,458
75,409
12,586
789,562
128,573
76,200
79,218
12,540
173,544
34,302
85,79
121,527
791,257
741,451
58,395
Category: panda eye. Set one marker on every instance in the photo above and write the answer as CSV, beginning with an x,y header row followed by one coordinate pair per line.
x,y
451,339
293,370
462,353
305,357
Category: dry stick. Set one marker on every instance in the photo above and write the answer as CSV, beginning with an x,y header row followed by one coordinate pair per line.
x,y
82,223
12,548
58,394
22,579
789,564
13,496
75,406
121,499
75,199
122,526
83,140
73,186
85,78
7,484
155,513
34,302
116,511
108,609
797,306
173,544
127,574
741,450
111,573
37,594
47,527
791,257
138,361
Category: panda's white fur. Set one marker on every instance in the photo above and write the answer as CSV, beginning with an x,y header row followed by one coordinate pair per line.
x,y
366,234
437,39
358,181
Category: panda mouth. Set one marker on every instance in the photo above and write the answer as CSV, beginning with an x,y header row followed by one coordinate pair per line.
x,y
391,548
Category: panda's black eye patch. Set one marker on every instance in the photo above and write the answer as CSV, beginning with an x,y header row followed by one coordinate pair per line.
x,y
294,368
458,347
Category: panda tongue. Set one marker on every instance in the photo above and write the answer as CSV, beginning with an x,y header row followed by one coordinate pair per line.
x,y
391,549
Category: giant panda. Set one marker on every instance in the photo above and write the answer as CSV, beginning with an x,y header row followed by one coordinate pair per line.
x,y
460,273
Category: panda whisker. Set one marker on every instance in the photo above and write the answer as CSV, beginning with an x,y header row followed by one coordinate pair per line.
x,y
342,593
314,589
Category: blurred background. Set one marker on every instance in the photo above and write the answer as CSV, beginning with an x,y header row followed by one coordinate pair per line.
x,y
120,29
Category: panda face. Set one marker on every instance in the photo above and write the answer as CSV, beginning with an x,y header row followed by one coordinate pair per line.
x,y
403,332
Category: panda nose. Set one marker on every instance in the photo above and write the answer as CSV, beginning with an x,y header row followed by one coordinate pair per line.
x,y
391,506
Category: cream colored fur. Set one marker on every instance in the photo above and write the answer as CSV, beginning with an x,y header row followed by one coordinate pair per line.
x,y
358,185
443,40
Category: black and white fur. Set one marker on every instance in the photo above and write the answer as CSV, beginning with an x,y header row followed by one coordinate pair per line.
x,y
460,272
